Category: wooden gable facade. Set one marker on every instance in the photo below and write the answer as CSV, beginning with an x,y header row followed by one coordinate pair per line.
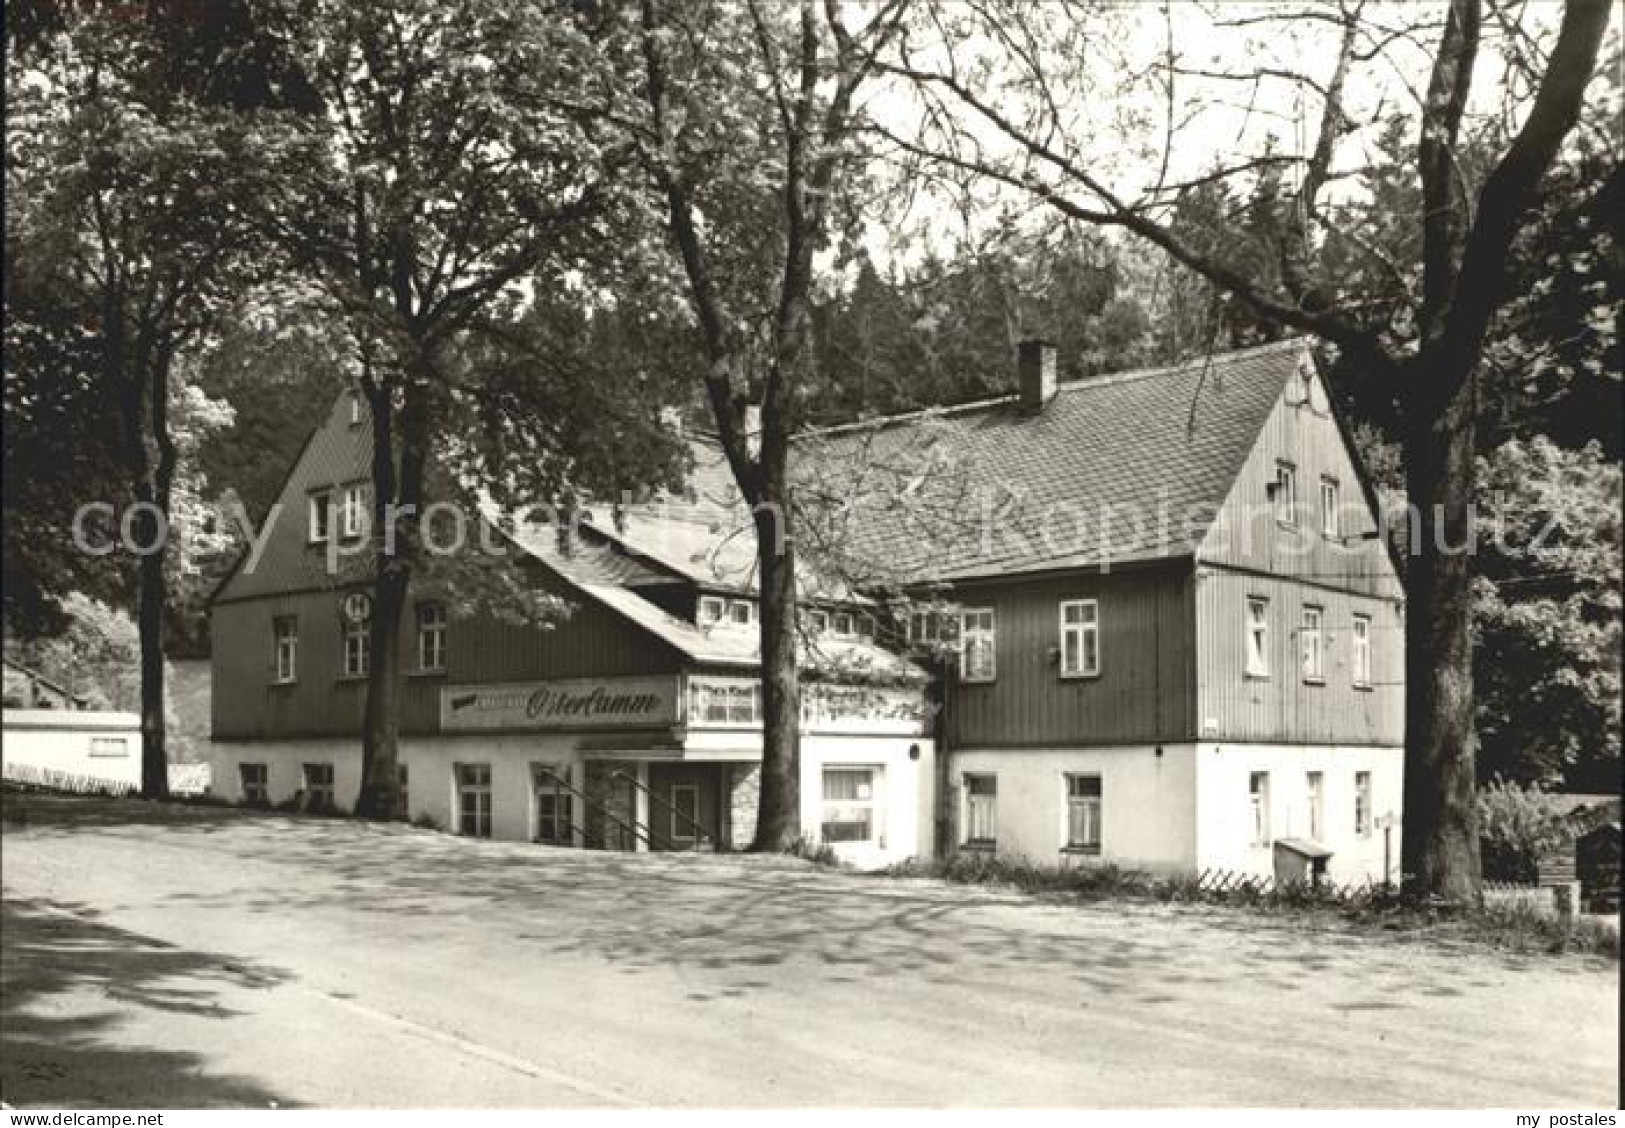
x,y
1173,632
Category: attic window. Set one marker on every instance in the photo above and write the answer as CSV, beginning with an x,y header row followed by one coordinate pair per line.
x,y
355,409
741,612
321,516
1286,493
1328,507
710,610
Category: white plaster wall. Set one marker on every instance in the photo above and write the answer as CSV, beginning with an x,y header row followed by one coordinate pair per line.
x,y
1148,815
904,793
431,776
904,800
42,744
1224,829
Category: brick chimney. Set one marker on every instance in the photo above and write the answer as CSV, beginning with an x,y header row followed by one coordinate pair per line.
x,y
1035,373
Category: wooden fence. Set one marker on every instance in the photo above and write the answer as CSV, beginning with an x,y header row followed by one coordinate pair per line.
x,y
184,779
1234,883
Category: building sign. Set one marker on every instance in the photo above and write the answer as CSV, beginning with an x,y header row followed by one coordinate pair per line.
x,y
863,709
723,702
571,703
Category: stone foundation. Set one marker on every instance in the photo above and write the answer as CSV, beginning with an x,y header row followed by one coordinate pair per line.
x,y
744,793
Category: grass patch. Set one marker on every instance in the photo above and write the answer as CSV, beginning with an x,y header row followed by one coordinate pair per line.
x,y
1518,928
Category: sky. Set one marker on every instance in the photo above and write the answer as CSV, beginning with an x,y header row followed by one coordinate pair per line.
x,y
1105,66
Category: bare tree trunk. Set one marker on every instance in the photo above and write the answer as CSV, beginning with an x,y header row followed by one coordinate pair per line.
x,y
398,534
778,819
380,794
150,608
1440,853
152,457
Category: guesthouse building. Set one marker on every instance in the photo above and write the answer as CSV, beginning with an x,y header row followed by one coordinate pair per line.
x,y
1146,619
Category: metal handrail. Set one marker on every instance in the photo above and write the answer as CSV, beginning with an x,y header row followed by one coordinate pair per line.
x,y
701,833
638,830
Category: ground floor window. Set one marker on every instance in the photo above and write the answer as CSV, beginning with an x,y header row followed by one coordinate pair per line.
x,y
1362,804
1083,796
256,781
554,825
319,787
474,800
848,805
981,808
1258,793
406,789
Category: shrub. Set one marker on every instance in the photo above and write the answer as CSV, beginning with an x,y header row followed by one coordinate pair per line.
x,y
1516,825
818,853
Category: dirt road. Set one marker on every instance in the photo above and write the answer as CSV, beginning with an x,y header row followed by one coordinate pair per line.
x,y
192,957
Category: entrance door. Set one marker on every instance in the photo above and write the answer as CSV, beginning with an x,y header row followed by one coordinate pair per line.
x,y
685,805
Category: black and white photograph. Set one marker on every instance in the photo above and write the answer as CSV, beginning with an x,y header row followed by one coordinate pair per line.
x,y
661,555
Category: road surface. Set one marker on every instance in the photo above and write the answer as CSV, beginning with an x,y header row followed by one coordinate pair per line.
x,y
186,957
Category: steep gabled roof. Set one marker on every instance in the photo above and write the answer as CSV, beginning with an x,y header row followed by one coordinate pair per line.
x,y
1115,469
720,645
336,452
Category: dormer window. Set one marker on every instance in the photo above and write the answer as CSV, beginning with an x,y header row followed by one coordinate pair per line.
x,y
711,608
844,624
741,612
817,622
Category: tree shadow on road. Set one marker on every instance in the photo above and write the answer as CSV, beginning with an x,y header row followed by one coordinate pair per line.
x,y
66,983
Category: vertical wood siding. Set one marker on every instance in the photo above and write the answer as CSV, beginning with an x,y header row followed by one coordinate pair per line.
x,y
1282,708
247,704
1144,692
1301,431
